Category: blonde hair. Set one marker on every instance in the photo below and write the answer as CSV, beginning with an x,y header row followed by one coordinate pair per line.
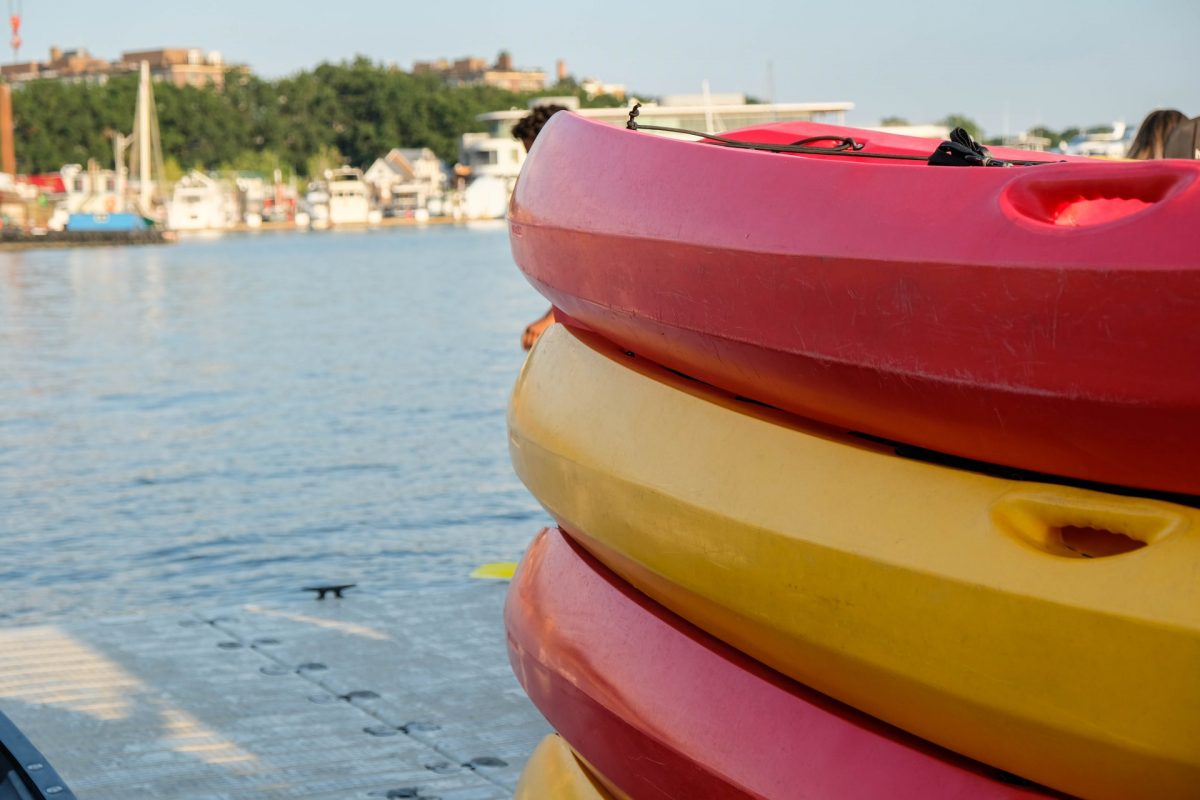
x,y
1152,134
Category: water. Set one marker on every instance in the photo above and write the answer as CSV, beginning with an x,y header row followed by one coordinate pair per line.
x,y
229,420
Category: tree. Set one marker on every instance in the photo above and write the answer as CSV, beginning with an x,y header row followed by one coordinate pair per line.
x,y
357,110
1046,133
972,127
327,157
262,162
172,170
888,122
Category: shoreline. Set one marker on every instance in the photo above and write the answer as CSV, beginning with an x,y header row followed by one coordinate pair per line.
x,y
11,241
386,222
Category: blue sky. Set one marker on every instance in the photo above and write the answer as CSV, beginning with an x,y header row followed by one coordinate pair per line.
x,y
1016,64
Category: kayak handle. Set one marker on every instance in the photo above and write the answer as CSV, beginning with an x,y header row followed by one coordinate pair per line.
x,y
1074,523
1064,200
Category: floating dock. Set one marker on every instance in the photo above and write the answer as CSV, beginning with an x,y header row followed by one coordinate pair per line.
x,y
407,694
15,239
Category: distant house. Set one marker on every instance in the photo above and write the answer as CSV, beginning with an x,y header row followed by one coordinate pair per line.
x,y
407,178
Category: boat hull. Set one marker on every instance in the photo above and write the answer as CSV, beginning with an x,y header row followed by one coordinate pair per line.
x,y
952,309
957,606
629,684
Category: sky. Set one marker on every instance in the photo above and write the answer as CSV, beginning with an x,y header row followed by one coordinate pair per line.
x,y
1008,66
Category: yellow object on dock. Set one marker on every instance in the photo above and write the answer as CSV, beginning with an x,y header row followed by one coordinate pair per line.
x,y
1050,631
495,571
554,773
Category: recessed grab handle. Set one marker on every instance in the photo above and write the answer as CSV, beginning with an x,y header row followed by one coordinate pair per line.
x,y
1098,195
1072,523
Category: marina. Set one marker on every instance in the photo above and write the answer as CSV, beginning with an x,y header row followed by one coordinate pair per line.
x,y
481,430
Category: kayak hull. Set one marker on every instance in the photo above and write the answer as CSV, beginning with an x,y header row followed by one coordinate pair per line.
x,y
553,772
959,317
629,684
956,606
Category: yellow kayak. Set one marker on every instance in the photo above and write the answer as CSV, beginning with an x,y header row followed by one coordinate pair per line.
x,y
554,772
1050,631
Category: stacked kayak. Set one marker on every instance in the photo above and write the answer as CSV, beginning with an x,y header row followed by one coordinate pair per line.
x,y
1036,317
591,651
961,607
746,596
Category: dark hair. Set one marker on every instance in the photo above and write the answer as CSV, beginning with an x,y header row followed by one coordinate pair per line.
x,y
1184,141
1152,134
530,125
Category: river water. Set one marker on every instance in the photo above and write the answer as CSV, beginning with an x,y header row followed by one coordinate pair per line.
x,y
228,420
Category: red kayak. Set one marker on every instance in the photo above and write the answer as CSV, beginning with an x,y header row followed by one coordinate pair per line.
x,y
1040,317
662,709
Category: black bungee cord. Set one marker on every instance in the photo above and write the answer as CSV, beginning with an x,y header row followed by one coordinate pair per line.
x,y
960,150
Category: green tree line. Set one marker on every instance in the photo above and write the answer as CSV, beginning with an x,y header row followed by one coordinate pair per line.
x,y
972,127
356,111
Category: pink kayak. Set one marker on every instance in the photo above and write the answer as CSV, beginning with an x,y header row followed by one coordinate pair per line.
x,y
1039,317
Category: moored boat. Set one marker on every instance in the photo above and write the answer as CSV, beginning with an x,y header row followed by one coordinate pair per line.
x,y
627,683
1051,631
1039,317
349,197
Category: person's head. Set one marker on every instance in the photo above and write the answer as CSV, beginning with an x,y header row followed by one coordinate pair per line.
x,y
1153,133
530,125
1184,141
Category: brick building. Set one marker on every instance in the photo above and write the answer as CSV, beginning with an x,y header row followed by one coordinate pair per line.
x,y
478,72
181,66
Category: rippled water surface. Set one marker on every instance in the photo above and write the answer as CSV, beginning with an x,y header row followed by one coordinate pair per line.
x,y
228,420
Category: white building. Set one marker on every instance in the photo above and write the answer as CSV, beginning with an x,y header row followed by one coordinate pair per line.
x,y
495,155
407,178
493,162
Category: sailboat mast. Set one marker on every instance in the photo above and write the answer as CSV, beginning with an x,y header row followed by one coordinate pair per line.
x,y
120,142
142,134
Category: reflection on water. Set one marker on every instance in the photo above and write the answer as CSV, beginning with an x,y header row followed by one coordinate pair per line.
x,y
234,418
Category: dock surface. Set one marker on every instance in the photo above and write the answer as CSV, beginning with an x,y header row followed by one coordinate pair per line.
x,y
407,694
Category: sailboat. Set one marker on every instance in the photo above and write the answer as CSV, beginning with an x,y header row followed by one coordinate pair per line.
x,y
144,208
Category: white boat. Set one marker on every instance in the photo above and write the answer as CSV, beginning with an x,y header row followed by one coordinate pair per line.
x,y
349,203
316,205
1104,144
93,190
198,203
